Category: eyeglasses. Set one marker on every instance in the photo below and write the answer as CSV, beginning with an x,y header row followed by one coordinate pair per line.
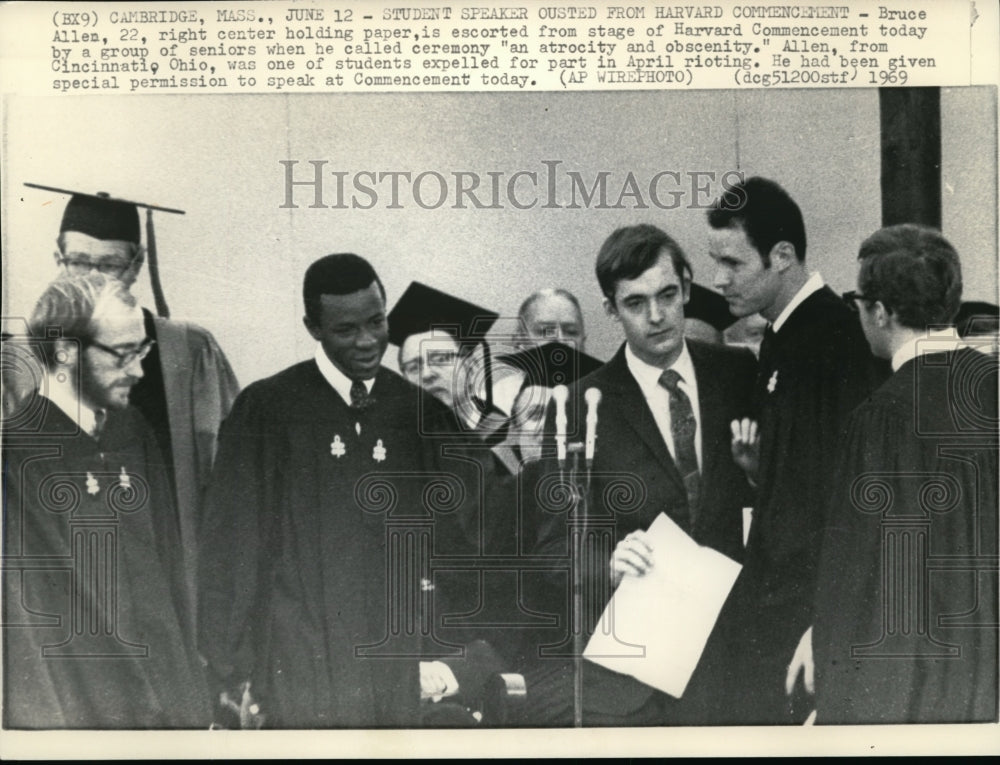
x,y
113,268
126,357
851,297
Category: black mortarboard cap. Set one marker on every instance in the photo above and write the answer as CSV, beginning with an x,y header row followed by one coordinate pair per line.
x,y
551,364
708,306
102,216
106,218
422,308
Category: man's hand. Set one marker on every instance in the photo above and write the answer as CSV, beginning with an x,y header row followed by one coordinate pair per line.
x,y
802,662
436,681
632,556
746,446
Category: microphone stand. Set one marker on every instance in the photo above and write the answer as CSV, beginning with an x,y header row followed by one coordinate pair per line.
x,y
578,513
579,487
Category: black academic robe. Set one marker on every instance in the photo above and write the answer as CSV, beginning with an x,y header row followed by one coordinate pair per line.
x,y
811,374
94,617
633,480
906,602
314,566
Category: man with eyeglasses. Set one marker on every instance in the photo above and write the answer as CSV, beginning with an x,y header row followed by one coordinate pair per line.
x,y
94,624
187,386
906,600
814,368
551,314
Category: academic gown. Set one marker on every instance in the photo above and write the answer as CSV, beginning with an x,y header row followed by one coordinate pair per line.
x,y
186,390
906,602
315,543
94,618
811,374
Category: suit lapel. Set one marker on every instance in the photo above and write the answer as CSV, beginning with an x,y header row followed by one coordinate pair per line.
x,y
629,404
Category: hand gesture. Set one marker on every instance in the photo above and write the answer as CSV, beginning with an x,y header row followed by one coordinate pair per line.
x,y
632,556
746,446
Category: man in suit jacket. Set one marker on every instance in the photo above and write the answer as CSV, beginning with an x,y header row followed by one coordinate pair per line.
x,y
663,445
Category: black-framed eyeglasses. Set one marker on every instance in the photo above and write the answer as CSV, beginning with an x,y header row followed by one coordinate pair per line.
x,y
126,357
853,296
82,267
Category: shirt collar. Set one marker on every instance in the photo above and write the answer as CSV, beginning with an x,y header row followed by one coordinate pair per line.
x,y
648,376
62,395
337,379
937,341
813,284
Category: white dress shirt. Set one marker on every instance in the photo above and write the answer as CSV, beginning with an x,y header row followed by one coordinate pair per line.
x,y
658,397
338,380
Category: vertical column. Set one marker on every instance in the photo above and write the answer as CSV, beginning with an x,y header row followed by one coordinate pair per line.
x,y
94,529
910,120
906,534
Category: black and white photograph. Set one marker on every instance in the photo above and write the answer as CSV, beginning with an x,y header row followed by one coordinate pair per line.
x,y
655,419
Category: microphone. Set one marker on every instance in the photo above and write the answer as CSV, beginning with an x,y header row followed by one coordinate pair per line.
x,y
593,398
560,394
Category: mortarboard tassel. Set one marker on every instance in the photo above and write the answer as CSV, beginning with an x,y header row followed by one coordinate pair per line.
x,y
154,268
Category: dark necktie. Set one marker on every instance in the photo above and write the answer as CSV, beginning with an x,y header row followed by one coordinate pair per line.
x,y
683,427
765,360
766,347
100,417
360,399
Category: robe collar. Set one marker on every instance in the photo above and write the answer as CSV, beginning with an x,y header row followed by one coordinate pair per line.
x,y
813,284
63,396
938,341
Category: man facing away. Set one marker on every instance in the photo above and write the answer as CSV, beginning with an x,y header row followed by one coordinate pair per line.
x,y
814,368
906,601
95,628
662,445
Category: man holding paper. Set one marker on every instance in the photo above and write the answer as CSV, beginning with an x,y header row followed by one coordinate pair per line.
x,y
656,440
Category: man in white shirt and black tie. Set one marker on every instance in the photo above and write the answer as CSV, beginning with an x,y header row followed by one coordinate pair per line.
x,y
662,445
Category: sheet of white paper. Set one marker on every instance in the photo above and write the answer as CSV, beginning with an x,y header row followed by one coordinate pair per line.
x,y
655,626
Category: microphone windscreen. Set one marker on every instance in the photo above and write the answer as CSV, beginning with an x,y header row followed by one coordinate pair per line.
x,y
560,394
592,397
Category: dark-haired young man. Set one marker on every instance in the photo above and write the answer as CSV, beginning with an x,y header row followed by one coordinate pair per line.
x,y
662,445
814,368
313,579
906,602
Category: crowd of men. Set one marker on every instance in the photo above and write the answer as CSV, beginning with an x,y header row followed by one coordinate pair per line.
x,y
342,546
